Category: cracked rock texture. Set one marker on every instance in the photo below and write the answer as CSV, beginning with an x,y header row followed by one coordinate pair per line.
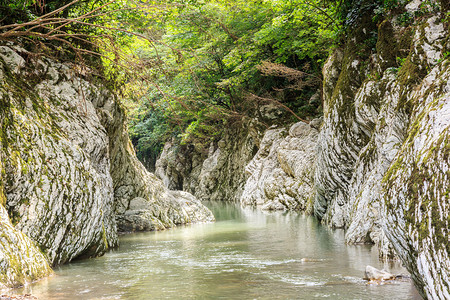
x,y
70,178
380,167
281,172
383,162
216,175
20,260
416,188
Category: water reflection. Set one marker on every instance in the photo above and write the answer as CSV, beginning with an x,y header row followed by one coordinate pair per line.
x,y
246,254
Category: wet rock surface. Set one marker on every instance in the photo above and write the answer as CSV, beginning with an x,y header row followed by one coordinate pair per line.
x,y
373,274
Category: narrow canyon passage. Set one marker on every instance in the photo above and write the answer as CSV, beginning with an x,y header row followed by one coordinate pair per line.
x,y
120,118
246,254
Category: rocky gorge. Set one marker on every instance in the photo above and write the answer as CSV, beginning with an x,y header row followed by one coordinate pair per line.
x,y
377,164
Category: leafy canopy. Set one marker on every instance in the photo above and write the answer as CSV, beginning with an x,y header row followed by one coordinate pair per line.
x,y
212,52
190,67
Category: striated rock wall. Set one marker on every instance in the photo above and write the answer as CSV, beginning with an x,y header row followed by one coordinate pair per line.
x,y
57,183
20,260
381,161
342,135
382,165
281,172
69,173
416,188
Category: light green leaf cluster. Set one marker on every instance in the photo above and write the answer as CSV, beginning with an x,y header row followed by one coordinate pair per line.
x,y
209,54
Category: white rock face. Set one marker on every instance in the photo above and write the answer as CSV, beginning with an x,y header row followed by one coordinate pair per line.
x,y
70,171
415,190
364,219
373,274
57,183
382,169
280,174
340,140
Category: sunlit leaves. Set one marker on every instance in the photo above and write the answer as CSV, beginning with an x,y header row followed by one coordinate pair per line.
x,y
221,43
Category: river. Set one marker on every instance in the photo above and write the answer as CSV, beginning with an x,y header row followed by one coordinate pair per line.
x,y
246,254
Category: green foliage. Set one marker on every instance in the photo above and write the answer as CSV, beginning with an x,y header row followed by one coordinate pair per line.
x,y
406,18
20,11
192,66
96,35
400,61
147,132
209,57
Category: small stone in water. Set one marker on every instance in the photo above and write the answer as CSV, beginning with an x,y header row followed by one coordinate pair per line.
x,y
373,274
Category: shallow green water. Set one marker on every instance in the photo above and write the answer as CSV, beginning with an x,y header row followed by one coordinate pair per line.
x,y
246,254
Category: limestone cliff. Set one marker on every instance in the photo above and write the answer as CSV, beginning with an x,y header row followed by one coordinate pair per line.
x,y
69,174
382,165
416,188
281,172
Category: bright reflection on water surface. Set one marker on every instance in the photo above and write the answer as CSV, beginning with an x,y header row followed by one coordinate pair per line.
x,y
246,254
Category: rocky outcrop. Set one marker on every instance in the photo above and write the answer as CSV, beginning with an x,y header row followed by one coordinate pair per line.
x,y
364,220
216,175
342,137
416,188
373,274
70,174
142,202
382,166
57,183
281,172
20,260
